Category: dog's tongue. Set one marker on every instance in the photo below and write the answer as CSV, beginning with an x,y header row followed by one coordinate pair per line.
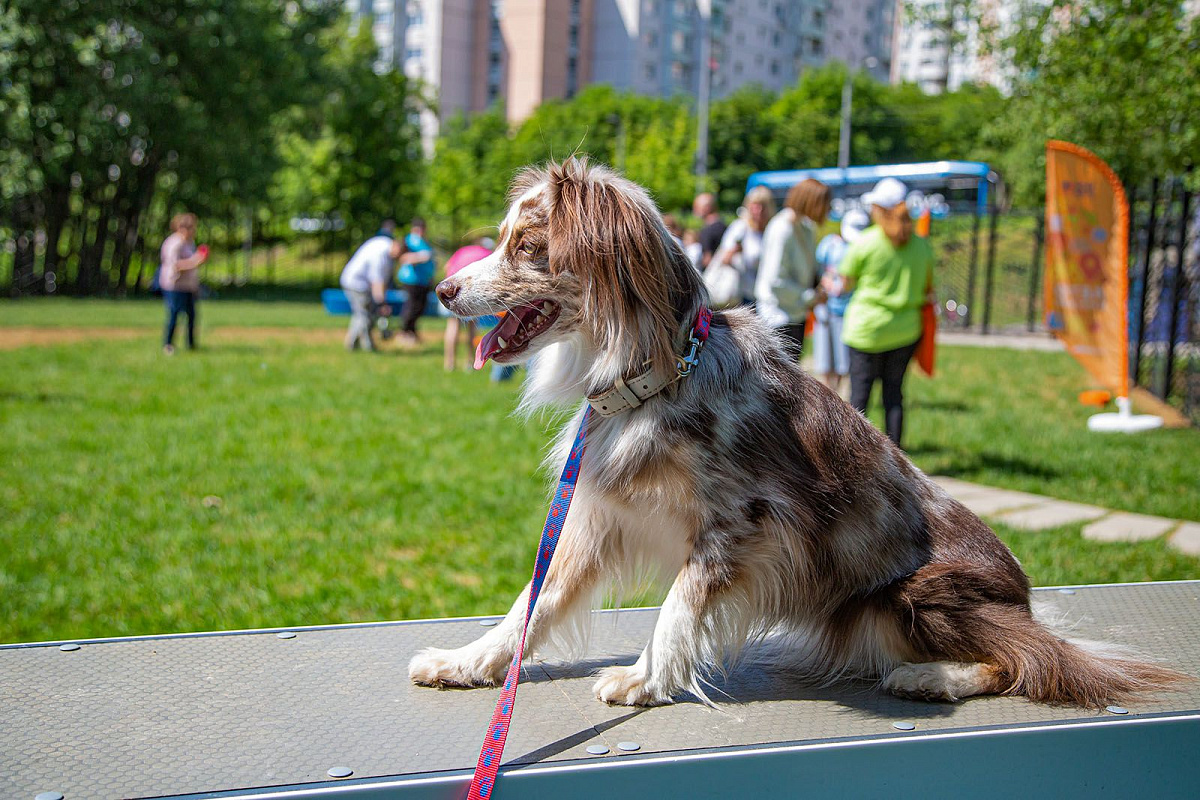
x,y
488,346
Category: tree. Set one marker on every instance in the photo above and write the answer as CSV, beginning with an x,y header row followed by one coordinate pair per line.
x,y
740,137
1120,77
112,102
355,153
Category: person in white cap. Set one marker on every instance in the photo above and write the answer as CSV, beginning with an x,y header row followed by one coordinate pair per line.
x,y
890,272
831,358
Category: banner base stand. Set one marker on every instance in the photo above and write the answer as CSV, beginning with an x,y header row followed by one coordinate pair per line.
x,y
1124,421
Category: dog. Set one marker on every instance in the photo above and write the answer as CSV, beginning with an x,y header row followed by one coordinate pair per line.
x,y
781,512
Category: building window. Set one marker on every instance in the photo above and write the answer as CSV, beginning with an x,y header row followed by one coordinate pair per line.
x,y
774,67
650,71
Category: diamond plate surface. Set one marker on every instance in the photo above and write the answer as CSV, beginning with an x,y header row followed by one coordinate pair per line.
x,y
153,717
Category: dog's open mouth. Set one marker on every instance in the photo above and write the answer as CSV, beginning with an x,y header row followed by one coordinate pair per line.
x,y
516,331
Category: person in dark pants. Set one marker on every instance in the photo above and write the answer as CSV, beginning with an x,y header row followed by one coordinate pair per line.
x,y
890,272
705,207
179,278
888,367
415,278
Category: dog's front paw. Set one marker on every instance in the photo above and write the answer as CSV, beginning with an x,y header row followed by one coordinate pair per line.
x,y
462,668
627,686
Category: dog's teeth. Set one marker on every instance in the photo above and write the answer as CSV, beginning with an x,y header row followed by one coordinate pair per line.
x,y
500,341
541,318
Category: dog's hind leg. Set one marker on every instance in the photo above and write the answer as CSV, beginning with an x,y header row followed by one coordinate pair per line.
x,y
566,594
943,681
699,625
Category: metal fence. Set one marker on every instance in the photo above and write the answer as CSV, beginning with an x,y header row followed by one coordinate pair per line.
x,y
988,273
1164,293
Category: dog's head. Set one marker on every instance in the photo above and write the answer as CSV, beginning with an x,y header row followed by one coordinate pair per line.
x,y
581,251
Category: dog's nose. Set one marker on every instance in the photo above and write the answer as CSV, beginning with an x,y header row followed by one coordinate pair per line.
x,y
447,290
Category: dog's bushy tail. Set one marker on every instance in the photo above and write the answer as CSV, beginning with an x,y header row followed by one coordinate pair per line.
x,y
1035,661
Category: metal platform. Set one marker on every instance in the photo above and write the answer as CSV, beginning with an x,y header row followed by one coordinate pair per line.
x,y
253,714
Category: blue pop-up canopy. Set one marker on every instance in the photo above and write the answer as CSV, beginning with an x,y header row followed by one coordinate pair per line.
x,y
846,182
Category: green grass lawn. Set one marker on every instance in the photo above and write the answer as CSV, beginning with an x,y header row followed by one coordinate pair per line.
x,y
275,481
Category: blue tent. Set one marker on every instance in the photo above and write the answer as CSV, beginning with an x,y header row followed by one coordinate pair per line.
x,y
949,177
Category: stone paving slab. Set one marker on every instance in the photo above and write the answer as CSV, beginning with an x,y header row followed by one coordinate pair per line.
x,y
994,501
1036,512
960,489
1187,538
1051,514
1122,526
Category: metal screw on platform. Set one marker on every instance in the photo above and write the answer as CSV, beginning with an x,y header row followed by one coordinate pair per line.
x,y
285,635
904,726
340,772
597,749
628,747
67,648
1116,710
49,796
488,623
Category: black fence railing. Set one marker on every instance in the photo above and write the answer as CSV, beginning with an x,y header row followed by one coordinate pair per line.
x,y
1164,293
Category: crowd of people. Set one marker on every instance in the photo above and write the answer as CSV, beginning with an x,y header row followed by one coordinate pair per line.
x,y
859,289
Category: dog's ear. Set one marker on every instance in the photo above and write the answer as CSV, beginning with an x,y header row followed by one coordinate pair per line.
x,y
607,233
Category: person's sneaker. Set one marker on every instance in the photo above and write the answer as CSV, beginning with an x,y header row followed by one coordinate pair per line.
x,y
168,349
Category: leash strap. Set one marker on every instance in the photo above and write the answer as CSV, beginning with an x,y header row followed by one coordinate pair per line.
x,y
488,765
484,779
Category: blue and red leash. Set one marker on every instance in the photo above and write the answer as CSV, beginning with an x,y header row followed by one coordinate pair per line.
x,y
486,769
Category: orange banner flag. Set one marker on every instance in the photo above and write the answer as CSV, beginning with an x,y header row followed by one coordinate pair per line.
x,y
1087,262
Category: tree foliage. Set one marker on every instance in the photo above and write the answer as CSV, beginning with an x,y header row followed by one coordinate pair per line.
x,y
115,114
355,153
1120,77
653,141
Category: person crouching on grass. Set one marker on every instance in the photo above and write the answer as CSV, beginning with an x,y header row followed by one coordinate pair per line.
x,y
365,279
180,278
890,272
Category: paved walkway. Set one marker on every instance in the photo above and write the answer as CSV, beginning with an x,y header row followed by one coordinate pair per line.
x,y
1011,340
1035,512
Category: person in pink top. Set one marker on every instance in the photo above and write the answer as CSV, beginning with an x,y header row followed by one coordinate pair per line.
x,y
463,256
180,279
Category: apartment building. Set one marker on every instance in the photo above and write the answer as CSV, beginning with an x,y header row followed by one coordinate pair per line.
x,y
859,33
940,55
471,53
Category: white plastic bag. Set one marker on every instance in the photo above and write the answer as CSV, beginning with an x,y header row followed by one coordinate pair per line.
x,y
723,283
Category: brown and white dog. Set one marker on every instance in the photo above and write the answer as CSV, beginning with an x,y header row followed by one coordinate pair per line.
x,y
780,510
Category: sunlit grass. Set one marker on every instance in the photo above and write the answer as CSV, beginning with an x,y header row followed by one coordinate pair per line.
x,y
276,480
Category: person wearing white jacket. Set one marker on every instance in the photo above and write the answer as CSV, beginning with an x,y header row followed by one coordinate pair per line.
x,y
787,271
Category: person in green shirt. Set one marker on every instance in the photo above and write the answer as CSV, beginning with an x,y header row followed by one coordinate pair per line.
x,y
891,274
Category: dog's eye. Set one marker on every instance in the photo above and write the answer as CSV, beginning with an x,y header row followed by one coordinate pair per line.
x,y
528,248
